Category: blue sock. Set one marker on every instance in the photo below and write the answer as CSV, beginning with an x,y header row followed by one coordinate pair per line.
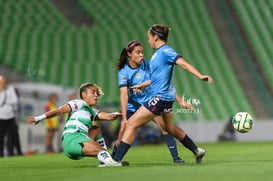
x,y
169,140
188,143
114,151
121,151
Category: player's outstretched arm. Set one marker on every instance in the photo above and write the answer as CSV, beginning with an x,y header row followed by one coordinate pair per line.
x,y
185,65
139,87
183,103
107,116
142,85
60,110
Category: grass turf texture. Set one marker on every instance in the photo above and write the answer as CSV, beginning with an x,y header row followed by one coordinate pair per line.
x,y
224,161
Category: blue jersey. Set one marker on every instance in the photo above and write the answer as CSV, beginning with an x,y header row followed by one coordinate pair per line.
x,y
162,69
129,77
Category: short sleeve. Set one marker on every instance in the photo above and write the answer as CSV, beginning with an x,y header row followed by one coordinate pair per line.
x,y
171,54
75,105
122,79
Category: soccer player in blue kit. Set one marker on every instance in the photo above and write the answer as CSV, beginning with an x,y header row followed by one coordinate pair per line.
x,y
133,82
162,93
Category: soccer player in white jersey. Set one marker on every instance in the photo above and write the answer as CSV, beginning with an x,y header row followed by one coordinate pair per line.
x,y
162,91
76,142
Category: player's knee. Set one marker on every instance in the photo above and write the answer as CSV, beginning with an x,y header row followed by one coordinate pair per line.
x,y
130,126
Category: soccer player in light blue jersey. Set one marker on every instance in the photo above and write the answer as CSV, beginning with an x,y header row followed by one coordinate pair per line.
x,y
162,93
133,82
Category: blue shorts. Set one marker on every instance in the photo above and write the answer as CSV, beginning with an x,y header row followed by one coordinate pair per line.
x,y
129,114
158,107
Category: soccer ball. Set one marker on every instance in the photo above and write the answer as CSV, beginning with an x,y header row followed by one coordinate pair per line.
x,y
242,122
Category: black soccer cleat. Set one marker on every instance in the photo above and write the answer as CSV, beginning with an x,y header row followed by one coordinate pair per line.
x,y
124,163
178,160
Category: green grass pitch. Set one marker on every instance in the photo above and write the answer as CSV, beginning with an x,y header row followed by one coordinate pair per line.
x,y
224,161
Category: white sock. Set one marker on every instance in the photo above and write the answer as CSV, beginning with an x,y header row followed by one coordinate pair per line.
x,y
102,143
104,156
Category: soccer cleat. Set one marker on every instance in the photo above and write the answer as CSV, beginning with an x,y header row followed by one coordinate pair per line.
x,y
178,160
111,163
125,163
199,155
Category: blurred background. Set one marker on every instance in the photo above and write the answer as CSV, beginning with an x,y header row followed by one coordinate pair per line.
x,y
53,46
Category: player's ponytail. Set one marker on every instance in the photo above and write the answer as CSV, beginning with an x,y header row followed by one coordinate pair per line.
x,y
122,59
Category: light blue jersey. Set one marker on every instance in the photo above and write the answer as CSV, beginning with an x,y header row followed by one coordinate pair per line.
x,y
162,69
129,77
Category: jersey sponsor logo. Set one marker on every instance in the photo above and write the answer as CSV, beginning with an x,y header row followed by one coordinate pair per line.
x,y
138,75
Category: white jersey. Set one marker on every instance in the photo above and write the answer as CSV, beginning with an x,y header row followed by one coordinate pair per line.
x,y
80,118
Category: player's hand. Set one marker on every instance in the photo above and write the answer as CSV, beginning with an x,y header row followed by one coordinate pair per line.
x,y
114,115
137,88
185,105
31,120
207,78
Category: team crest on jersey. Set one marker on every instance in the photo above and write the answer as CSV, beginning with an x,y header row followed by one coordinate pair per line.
x,y
167,50
124,78
138,75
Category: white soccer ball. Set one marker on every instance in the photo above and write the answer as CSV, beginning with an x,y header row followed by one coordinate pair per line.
x,y
242,122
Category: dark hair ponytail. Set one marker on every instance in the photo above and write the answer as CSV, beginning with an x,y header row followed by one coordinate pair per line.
x,y
123,58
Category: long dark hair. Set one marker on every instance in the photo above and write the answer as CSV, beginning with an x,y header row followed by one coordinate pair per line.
x,y
123,58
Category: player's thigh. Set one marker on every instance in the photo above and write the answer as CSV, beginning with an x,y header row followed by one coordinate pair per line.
x,y
140,117
94,131
91,148
161,124
168,122
171,128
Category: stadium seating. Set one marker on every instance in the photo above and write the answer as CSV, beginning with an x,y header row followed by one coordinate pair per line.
x,y
191,32
34,35
256,17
